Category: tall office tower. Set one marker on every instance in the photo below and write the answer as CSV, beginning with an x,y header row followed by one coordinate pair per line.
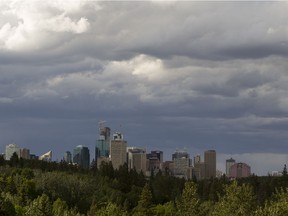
x,y
182,162
154,161
46,157
210,163
105,133
118,150
102,149
81,156
10,150
199,168
240,170
229,163
67,157
137,159
25,153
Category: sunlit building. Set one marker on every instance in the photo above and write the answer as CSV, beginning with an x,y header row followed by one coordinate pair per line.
x,y
46,157
118,150
10,150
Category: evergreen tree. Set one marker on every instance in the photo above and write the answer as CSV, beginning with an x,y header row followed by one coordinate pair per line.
x,y
284,172
237,201
188,204
145,202
41,206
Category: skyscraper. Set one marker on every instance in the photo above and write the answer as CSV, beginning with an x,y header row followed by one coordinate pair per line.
x,y
10,150
118,150
81,156
137,159
67,157
182,162
24,153
229,163
199,167
154,161
102,149
210,163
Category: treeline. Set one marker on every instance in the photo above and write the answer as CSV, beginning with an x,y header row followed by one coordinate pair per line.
x,y
42,188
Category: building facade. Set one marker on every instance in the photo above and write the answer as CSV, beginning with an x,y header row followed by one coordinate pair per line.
x,y
154,162
10,150
199,168
182,163
118,150
102,149
137,159
210,163
240,170
81,156
67,157
229,163
24,153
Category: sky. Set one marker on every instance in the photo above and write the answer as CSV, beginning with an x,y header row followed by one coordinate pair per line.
x,y
167,74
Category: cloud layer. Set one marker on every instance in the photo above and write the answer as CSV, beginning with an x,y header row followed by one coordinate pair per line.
x,y
169,75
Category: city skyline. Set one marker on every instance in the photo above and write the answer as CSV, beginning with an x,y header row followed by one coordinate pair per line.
x,y
168,75
209,156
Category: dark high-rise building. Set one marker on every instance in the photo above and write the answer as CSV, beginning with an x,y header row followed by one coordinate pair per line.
x,y
81,156
102,149
154,161
210,163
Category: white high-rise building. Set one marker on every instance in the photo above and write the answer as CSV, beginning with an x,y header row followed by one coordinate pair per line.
x,y
10,150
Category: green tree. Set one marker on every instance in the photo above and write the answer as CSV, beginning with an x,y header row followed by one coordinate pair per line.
x,y
6,207
41,206
59,208
14,160
277,207
284,172
111,209
237,200
188,203
167,209
145,202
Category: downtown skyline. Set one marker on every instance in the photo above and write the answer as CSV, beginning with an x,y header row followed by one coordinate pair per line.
x,y
168,75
